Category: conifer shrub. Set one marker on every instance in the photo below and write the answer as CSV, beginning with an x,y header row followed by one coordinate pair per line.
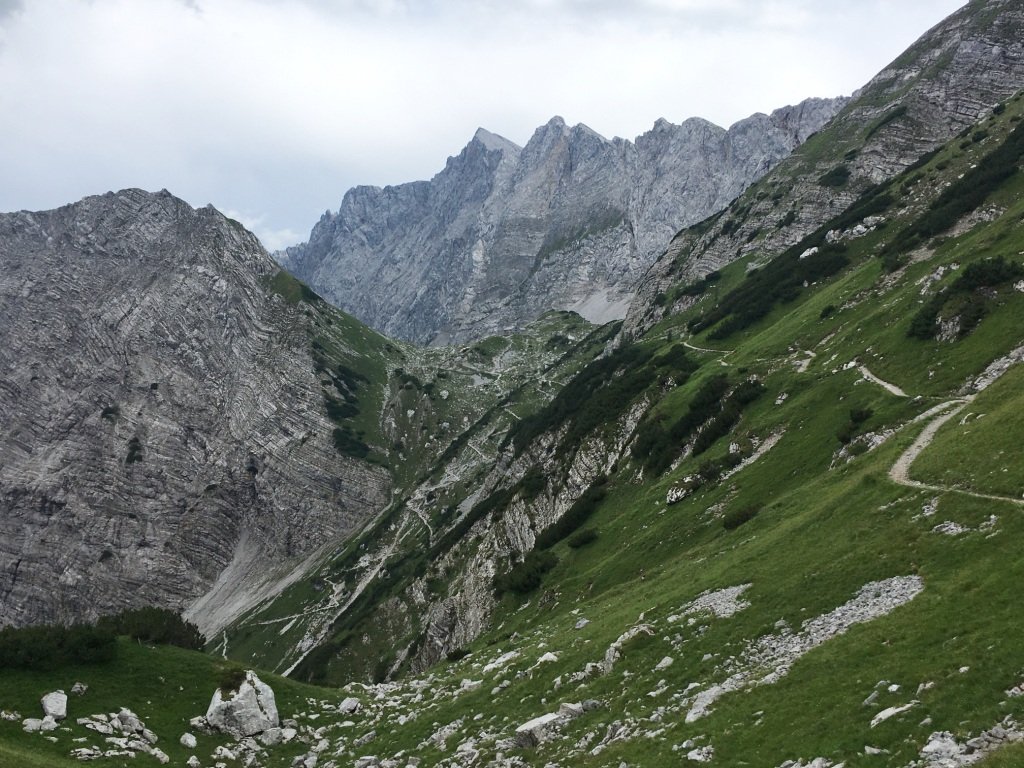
x,y
737,517
50,647
154,625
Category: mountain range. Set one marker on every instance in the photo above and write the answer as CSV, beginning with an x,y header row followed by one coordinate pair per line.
x,y
504,233
768,516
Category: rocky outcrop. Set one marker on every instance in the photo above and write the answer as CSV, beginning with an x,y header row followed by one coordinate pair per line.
x,y
160,416
945,82
248,711
502,234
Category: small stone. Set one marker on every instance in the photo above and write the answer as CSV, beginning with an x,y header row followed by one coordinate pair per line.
x,y
188,741
79,689
581,623
664,663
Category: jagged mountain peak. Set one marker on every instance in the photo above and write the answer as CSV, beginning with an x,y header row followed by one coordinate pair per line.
x,y
494,142
569,221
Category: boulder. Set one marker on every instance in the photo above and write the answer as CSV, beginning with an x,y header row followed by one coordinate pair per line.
x,y
55,705
193,762
127,721
533,732
79,689
246,712
188,741
350,705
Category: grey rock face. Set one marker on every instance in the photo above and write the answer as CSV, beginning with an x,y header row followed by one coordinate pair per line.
x,y
945,82
246,712
502,234
160,419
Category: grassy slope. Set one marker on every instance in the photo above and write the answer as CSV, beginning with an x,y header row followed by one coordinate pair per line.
x,y
164,686
822,534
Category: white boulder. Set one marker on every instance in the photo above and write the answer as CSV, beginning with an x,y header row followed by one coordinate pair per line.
x,y
246,712
349,706
55,705
188,741
533,732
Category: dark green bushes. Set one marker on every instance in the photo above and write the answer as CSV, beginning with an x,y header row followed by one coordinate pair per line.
x,y
526,576
575,516
230,679
600,393
582,538
780,281
836,177
701,286
850,429
964,297
154,625
54,647
657,446
736,517
349,443
959,198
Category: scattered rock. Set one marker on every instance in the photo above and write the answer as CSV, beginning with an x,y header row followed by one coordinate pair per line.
x,y
188,741
665,663
546,658
888,712
365,739
701,754
581,623
79,689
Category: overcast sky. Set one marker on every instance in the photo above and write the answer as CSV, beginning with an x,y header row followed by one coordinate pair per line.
x,y
271,109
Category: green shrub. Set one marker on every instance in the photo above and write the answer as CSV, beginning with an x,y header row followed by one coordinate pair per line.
x,y
836,177
349,443
230,679
737,517
526,576
50,647
154,625
575,516
827,311
961,197
965,297
582,538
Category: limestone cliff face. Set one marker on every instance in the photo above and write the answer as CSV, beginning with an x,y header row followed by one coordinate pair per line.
x,y
942,84
502,234
160,418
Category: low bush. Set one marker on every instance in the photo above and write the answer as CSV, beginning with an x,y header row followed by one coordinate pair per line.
x,y
54,647
154,625
582,538
526,576
737,517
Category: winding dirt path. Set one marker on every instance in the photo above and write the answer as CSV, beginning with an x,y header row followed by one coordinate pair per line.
x,y
887,386
899,473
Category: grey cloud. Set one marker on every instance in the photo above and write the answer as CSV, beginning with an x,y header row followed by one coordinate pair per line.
x,y
9,8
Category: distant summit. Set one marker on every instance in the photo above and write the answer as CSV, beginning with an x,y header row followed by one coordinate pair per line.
x,y
504,233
